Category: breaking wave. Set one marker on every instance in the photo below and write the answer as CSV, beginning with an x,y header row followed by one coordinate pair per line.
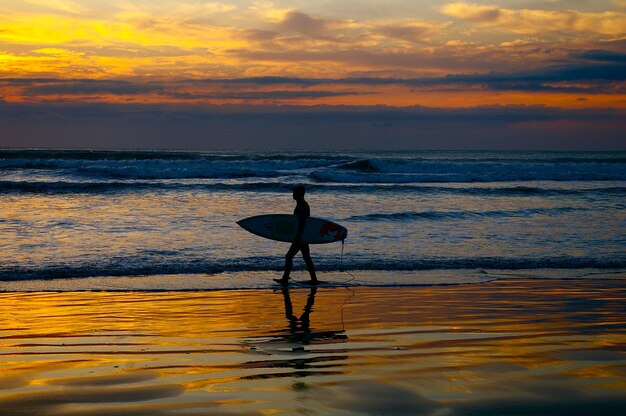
x,y
452,215
393,168
65,187
132,267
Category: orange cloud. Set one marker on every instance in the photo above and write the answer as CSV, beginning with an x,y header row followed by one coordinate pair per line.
x,y
174,41
533,22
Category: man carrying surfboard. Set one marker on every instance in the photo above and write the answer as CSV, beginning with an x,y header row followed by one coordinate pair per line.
x,y
303,211
299,229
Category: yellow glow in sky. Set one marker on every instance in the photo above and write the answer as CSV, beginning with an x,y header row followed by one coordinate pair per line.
x,y
172,41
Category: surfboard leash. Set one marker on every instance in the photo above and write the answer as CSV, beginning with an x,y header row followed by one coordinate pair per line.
x,y
352,292
341,264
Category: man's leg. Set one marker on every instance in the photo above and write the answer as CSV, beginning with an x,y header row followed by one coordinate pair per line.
x,y
293,250
306,255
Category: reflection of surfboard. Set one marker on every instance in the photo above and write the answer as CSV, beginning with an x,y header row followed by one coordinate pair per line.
x,y
283,227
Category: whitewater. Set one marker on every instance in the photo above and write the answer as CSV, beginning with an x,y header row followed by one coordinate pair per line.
x,y
162,220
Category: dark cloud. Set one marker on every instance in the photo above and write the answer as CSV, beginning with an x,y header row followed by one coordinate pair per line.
x,y
264,95
589,78
609,72
87,86
267,81
319,113
562,73
600,75
580,69
27,81
317,127
48,86
601,55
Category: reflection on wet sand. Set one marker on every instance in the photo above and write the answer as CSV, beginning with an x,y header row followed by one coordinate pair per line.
x,y
297,344
501,348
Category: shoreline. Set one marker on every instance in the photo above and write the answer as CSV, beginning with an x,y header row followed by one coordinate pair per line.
x,y
263,280
502,347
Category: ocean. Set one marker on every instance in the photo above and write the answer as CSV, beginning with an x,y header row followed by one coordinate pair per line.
x,y
161,220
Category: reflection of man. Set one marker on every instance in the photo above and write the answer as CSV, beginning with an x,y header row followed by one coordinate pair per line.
x,y
304,321
300,328
303,211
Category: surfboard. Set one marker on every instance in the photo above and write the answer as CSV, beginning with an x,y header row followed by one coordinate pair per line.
x,y
283,227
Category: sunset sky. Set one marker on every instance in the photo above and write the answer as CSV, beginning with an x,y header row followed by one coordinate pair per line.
x,y
357,73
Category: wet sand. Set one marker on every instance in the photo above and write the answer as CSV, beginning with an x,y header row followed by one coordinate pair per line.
x,y
516,347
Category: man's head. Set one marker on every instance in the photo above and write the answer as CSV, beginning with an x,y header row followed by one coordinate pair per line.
x,y
298,192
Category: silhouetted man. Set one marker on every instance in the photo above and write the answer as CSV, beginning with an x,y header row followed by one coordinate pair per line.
x,y
302,210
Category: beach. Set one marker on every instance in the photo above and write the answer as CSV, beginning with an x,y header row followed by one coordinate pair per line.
x,y
505,347
470,283
342,208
